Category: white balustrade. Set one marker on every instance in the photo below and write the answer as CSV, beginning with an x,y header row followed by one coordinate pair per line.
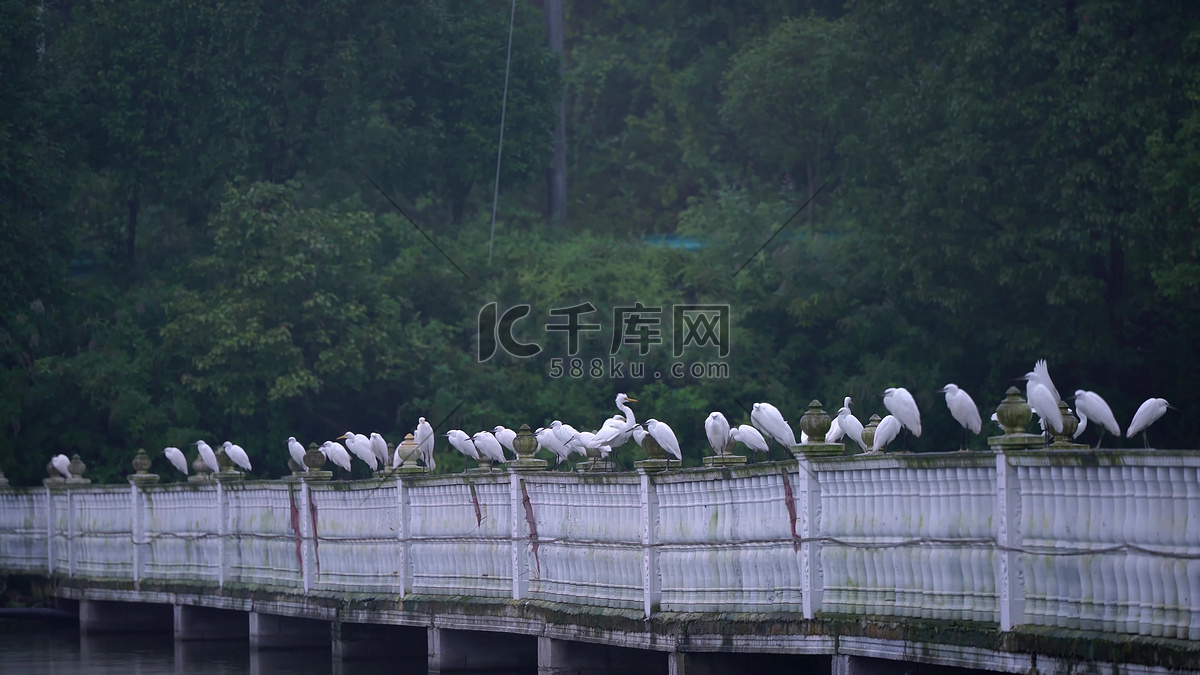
x,y
23,532
1106,541
180,532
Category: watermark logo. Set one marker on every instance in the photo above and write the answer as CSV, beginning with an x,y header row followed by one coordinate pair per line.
x,y
636,329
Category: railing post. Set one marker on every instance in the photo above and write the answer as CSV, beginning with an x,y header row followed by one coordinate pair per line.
x,y
222,532
651,583
808,490
70,532
402,533
307,561
137,532
49,532
1010,581
520,561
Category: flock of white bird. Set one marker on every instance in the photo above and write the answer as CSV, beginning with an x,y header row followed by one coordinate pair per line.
x,y
767,423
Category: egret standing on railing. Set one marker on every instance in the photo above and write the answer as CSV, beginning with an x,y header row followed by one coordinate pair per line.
x,y
835,430
461,442
506,437
379,449
336,453
716,427
900,403
297,452
237,455
62,465
750,437
209,457
851,427
767,419
1043,402
665,436
963,410
175,456
889,427
489,446
361,447
1089,406
1147,413
424,438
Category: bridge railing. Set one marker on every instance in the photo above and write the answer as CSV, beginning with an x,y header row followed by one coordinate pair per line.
x,y
1094,540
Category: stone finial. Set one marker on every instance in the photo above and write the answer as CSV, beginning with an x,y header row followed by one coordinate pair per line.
x,y
1013,412
141,462
525,444
1065,440
295,468
407,450
816,422
868,432
224,463
77,467
314,459
141,465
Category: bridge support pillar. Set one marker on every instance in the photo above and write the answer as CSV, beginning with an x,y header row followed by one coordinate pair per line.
x,y
353,641
206,623
271,631
100,616
722,663
451,650
567,657
842,664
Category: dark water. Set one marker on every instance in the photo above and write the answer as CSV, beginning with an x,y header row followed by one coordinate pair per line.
x,y
28,646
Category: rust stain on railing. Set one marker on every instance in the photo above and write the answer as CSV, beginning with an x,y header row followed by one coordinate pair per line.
x,y
312,511
475,502
296,526
790,500
533,535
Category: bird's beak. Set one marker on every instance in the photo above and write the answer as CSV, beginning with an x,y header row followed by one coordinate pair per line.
x,y
1171,407
341,437
630,400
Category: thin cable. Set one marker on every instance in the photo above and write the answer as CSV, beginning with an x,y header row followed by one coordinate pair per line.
x,y
503,109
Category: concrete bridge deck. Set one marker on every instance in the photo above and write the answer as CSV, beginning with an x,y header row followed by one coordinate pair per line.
x,y
1020,562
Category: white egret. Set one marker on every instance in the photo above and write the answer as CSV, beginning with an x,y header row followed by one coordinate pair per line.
x,y
749,437
237,455
489,446
889,427
963,410
62,465
900,403
175,456
835,430
424,438
569,437
1147,413
362,450
851,427
336,453
716,427
767,419
209,457
1043,402
662,433
1089,406
379,449
297,452
612,434
463,443
996,418
506,437
547,439
1041,373
590,442
638,434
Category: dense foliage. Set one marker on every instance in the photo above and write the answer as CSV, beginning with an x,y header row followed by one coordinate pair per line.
x,y
193,247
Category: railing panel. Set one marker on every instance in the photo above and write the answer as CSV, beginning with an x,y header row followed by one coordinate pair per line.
x,y
60,526
726,542
262,543
1138,513
460,540
23,530
181,527
589,530
911,536
357,536
103,526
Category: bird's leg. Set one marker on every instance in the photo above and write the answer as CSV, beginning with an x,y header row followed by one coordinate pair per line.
x,y
1145,439
1098,441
